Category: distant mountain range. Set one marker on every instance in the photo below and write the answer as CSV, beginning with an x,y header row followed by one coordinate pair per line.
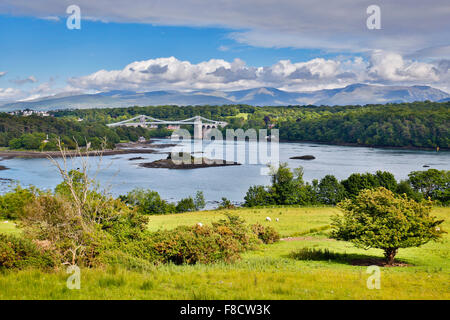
x,y
355,94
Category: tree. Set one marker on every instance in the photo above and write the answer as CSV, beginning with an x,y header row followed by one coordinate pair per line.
x,y
379,219
330,190
285,185
185,205
432,183
199,201
257,196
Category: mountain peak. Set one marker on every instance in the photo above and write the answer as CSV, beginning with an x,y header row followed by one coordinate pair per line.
x,y
356,94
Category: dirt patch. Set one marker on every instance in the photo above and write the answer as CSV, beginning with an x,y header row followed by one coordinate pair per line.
x,y
377,262
3,168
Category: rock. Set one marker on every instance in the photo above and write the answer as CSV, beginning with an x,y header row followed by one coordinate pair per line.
x,y
306,157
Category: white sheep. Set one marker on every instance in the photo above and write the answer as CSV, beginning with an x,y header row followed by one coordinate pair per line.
x,y
268,219
200,224
277,219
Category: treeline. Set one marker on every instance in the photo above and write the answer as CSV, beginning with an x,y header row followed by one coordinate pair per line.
x,y
289,188
412,125
40,133
417,125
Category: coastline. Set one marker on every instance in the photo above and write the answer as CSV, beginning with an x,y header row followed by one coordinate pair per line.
x,y
348,144
4,155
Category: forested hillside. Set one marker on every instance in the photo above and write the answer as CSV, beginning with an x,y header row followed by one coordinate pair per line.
x,y
409,125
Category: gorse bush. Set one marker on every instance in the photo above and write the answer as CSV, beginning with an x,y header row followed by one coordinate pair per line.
x,y
18,252
266,234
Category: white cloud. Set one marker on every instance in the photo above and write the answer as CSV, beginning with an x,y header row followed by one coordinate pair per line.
x,y
2,73
171,73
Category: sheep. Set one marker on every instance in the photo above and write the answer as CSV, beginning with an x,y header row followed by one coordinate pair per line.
x,y
200,224
277,219
268,219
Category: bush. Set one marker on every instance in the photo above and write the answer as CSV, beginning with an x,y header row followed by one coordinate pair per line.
x,y
191,245
19,253
267,234
199,244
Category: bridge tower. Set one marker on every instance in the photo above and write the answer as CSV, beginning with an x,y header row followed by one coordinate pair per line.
x,y
198,128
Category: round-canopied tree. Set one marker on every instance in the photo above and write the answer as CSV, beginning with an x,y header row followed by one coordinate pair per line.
x,y
380,219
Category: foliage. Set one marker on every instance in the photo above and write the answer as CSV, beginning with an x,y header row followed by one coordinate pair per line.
x,y
380,219
432,183
330,191
148,202
186,205
199,201
266,234
18,252
12,203
226,204
258,196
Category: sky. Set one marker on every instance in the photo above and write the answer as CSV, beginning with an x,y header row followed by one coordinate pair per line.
x,y
294,45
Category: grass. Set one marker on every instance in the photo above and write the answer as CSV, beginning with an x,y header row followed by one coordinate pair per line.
x,y
267,273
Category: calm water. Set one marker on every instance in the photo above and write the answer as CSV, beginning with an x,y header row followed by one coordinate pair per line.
x,y
121,175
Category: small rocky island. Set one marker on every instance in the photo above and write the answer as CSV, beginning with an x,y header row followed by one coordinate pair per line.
x,y
306,157
187,161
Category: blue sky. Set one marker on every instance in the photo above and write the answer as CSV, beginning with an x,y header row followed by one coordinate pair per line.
x,y
291,45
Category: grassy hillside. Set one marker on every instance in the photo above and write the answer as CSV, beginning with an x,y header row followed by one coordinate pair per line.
x,y
267,273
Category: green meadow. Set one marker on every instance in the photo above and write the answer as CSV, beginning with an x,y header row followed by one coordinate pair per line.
x,y
266,273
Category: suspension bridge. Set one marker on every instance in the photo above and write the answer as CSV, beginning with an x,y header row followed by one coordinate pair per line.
x,y
201,124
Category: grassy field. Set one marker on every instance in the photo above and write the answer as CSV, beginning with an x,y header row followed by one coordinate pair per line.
x,y
267,273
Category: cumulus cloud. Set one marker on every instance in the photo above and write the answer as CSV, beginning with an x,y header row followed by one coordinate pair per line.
x,y
172,73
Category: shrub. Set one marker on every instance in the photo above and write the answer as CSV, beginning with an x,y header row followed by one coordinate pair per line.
x,y
199,244
16,252
191,245
267,234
